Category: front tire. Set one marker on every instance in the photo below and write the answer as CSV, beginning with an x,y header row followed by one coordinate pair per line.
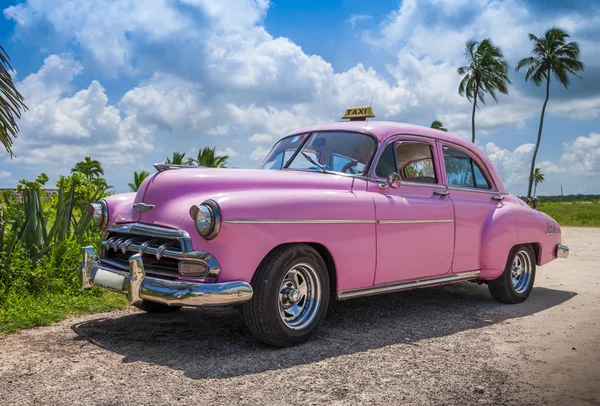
x,y
291,295
516,282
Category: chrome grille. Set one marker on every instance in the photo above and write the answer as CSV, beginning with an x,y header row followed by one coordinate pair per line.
x,y
161,248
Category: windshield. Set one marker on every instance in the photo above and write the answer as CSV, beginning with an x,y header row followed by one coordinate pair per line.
x,y
332,151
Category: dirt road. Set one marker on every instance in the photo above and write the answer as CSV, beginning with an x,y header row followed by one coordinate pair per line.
x,y
446,345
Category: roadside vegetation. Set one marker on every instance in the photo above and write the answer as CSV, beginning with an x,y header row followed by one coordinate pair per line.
x,y
40,250
573,210
41,245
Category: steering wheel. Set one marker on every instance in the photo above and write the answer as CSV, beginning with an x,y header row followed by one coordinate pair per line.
x,y
348,167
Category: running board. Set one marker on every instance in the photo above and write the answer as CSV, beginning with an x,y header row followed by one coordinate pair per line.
x,y
418,283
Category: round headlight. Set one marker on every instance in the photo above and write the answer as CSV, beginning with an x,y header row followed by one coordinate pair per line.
x,y
207,218
99,213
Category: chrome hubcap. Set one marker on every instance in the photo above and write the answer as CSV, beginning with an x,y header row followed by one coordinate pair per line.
x,y
299,296
521,271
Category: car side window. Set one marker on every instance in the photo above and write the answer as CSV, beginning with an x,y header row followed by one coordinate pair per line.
x,y
415,161
462,170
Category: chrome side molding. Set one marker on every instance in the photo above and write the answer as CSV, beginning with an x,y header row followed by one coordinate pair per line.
x,y
417,283
299,221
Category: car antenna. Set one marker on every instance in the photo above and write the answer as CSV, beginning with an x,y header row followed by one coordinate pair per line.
x,y
366,123
367,118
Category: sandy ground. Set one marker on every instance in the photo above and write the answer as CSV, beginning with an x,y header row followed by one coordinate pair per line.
x,y
446,345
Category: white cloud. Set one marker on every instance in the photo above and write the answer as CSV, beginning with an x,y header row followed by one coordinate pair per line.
x,y
259,153
218,130
106,30
583,155
227,151
232,15
59,129
512,165
168,102
261,137
4,174
582,109
355,19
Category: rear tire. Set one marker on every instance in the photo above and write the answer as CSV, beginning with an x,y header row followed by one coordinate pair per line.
x,y
157,308
516,282
291,295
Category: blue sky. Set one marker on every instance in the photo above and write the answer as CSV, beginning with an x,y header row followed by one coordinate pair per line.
x,y
129,82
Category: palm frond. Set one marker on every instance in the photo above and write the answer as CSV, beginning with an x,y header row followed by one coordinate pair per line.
x,y
11,104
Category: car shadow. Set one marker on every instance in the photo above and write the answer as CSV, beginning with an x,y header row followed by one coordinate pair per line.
x,y
214,342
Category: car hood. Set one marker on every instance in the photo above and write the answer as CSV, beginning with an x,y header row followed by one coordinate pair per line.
x,y
173,192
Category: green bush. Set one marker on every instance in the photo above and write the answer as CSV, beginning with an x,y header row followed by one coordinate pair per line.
x,y
40,247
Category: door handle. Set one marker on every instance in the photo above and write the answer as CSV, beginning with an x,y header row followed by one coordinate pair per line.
x,y
498,198
442,193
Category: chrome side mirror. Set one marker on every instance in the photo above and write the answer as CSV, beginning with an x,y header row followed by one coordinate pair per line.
x,y
533,202
394,181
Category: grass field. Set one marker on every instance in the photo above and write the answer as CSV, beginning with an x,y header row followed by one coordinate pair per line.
x,y
580,213
23,311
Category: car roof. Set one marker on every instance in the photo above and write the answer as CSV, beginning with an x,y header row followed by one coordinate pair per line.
x,y
385,129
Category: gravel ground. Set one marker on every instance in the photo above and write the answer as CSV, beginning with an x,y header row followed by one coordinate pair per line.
x,y
446,345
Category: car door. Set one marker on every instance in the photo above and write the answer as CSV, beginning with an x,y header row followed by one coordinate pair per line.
x,y
475,200
415,222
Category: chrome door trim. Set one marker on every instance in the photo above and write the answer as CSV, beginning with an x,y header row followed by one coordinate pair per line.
x,y
414,221
399,286
404,183
419,184
468,189
300,221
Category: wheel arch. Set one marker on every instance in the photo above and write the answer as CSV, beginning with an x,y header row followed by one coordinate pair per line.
x,y
323,251
536,247
505,229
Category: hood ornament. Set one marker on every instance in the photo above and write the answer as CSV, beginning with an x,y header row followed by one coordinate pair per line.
x,y
141,207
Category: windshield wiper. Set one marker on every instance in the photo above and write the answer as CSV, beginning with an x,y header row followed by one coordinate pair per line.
x,y
312,161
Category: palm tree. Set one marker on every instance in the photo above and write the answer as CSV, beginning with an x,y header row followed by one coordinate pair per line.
x,y
11,104
437,125
538,177
207,157
552,54
138,178
177,158
91,168
487,72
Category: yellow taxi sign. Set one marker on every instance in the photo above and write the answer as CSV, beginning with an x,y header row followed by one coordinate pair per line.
x,y
359,113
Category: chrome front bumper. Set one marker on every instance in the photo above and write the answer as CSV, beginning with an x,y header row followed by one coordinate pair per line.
x,y
140,287
562,251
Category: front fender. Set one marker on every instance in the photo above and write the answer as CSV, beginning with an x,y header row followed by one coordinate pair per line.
x,y
120,208
247,235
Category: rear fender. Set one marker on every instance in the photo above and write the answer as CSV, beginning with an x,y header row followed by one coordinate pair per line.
x,y
512,225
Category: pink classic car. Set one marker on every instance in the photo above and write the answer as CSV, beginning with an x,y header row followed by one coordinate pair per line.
x,y
335,211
